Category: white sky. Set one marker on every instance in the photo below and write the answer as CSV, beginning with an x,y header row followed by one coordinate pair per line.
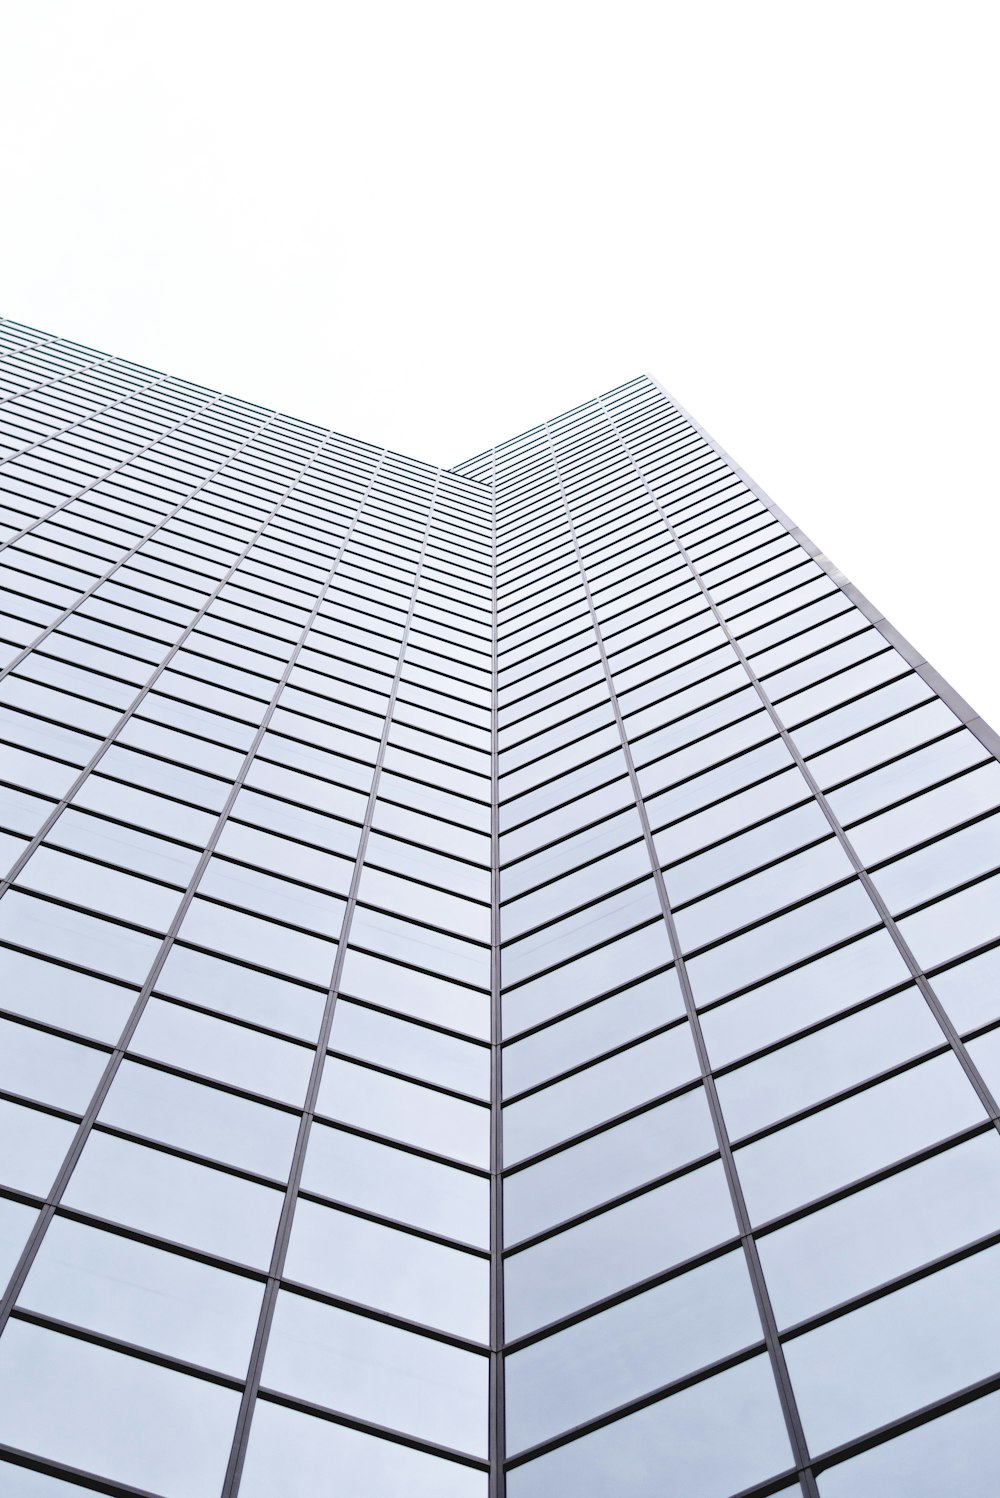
x,y
432,225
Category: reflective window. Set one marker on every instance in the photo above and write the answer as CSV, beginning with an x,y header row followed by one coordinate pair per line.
x,y
394,1271
635,1346
293,1454
118,1416
894,1226
898,1353
402,1110
957,1453
175,1199
396,1183
617,1248
380,1373
588,1097
144,1295
861,1134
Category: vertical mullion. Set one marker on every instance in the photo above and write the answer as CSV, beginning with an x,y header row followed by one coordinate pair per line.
x,y
497,1479
786,1396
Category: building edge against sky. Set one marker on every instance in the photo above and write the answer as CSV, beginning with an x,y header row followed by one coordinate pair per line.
x,y
500,971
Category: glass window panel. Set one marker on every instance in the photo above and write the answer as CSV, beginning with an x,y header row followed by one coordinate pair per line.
x,y
612,1162
279,898
423,995
745,852
422,902
700,790
214,1047
176,1199
579,888
123,1418
958,1453
598,1092
585,977
828,1061
899,1353
447,955
124,846
940,866
719,1436
266,943
758,804
634,1347
294,1454
617,1248
781,941
933,812
281,856
903,777
144,1295
391,1270
887,1230
429,829
403,1110
58,932
47,1068
298,822
801,998
969,919
380,1373
33,1146
426,864
241,992
204,1120
395,1183
928,721
544,867
422,1053
859,1135
559,941
82,882
749,899
154,813
602,1026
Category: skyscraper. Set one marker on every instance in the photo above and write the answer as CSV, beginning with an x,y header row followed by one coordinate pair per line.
x,y
499,972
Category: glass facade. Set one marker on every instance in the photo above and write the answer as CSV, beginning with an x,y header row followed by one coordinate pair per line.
x,y
499,972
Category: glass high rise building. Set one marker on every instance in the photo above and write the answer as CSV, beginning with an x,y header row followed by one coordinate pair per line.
x,y
499,972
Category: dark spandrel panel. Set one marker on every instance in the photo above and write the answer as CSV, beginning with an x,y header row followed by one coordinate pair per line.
x,y
715,1438
295,1454
957,1453
117,1416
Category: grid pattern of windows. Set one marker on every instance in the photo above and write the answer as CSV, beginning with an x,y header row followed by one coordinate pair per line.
x,y
500,971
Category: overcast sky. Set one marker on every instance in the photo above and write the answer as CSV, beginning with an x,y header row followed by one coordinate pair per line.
x,y
433,224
